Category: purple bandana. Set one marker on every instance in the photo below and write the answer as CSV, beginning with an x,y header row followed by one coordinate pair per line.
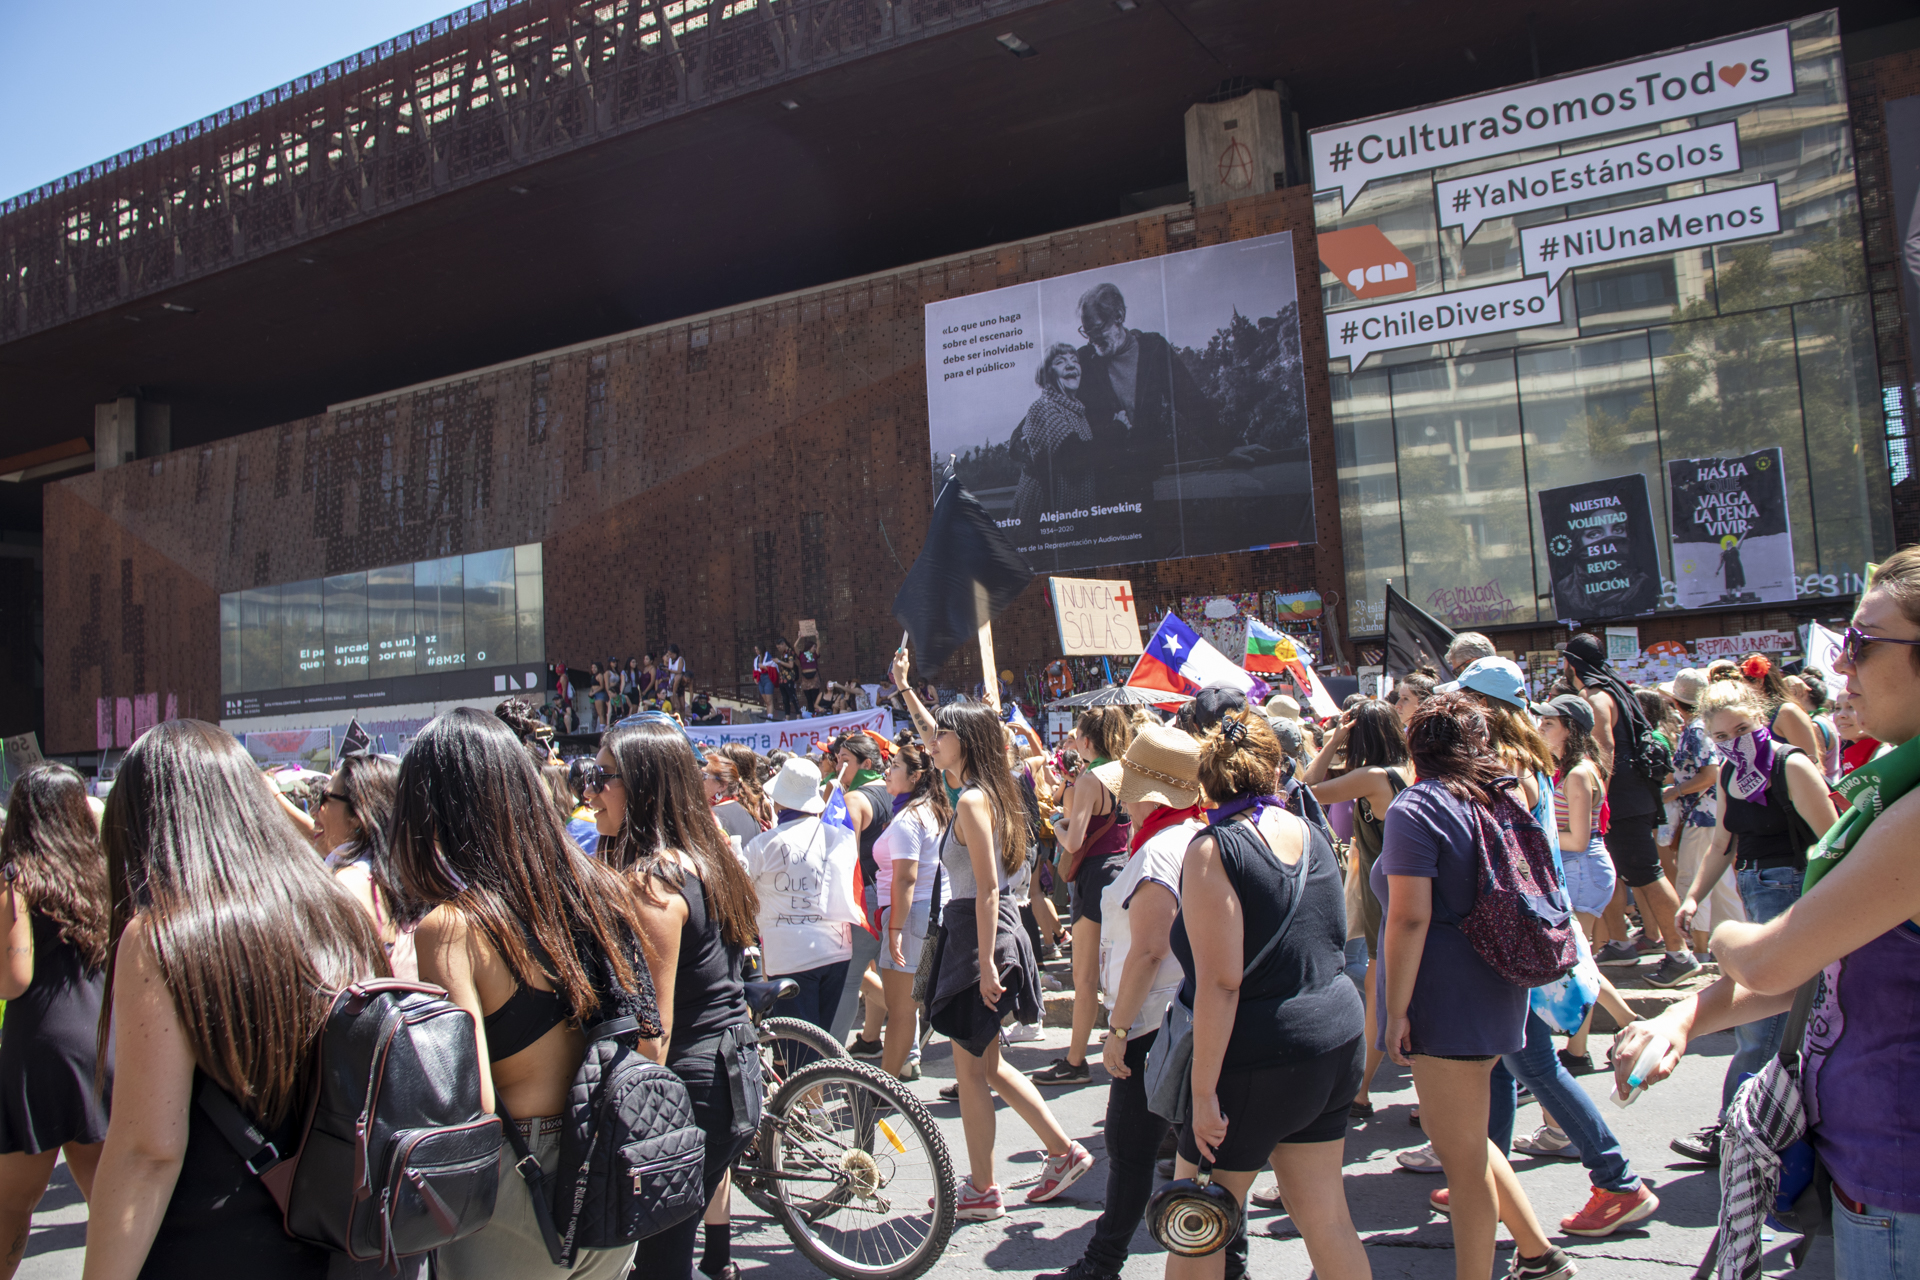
x,y
1234,808
1752,757
901,802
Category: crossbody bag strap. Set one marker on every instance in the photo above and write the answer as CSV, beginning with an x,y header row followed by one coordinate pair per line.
x,y
537,1181
248,1140
1795,1034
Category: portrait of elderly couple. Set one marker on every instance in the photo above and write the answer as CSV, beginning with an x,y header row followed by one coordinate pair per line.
x,y
1141,445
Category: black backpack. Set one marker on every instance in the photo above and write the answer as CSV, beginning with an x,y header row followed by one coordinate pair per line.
x,y
396,1157
631,1156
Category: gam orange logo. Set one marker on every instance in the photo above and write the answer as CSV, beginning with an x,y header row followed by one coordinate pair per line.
x,y
1366,261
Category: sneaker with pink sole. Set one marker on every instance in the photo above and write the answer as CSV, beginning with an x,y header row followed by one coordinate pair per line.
x,y
1060,1173
976,1205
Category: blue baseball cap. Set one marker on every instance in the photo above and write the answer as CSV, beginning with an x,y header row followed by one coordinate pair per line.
x,y
1495,678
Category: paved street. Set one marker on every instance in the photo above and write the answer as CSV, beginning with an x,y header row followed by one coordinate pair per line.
x,y
1389,1204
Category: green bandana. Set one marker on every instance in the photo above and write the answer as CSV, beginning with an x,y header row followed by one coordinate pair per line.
x,y
862,777
1868,791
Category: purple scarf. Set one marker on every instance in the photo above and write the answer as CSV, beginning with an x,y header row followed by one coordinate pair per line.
x,y
1234,808
901,802
1752,757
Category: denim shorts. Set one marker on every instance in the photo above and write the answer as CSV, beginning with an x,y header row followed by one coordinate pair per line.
x,y
767,685
1589,878
912,938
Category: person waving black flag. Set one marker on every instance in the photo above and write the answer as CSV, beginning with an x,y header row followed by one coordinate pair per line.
x,y
1415,638
966,575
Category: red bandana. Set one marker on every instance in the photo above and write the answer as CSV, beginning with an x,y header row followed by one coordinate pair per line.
x,y
1158,821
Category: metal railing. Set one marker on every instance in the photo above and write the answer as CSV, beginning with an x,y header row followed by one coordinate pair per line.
x,y
493,88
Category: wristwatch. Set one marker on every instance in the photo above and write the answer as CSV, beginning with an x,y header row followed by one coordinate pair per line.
x,y
1120,1034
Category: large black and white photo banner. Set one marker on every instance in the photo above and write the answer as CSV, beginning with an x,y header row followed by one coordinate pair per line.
x,y
1145,411
1732,541
1602,551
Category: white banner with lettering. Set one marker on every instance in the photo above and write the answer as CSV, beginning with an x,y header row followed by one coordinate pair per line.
x,y
1736,72
792,735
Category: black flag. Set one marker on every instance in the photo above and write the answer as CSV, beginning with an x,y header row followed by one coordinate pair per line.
x,y
967,574
356,739
1415,638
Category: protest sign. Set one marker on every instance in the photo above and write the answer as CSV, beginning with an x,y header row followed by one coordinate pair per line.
x,y
1732,542
792,735
1095,616
1601,552
1146,410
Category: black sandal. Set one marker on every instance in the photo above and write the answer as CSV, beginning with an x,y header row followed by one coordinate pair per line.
x,y
1361,1110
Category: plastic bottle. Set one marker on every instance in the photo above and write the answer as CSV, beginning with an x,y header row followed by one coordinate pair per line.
x,y
1655,1049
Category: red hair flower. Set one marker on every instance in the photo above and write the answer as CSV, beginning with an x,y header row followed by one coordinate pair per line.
x,y
1756,667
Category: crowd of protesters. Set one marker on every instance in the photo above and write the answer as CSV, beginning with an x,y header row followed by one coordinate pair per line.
x,y
1294,890
786,679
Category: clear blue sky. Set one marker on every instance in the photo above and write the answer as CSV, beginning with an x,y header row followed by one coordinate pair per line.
x,y
83,79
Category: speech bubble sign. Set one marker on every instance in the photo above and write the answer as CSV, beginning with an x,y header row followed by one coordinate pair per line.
x,y
1753,67
1588,175
1740,213
1440,317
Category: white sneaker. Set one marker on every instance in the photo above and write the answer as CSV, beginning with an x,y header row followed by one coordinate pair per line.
x,y
1420,1160
1050,983
1020,1032
1546,1141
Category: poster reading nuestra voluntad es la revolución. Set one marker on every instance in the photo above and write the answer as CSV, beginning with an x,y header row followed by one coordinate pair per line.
x,y
1602,553
1148,410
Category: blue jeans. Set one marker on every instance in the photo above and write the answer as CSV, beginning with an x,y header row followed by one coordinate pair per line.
x,y
1356,964
815,1001
1879,1244
1765,893
1538,1067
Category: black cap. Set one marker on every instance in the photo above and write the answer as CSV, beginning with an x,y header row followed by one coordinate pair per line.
x,y
1570,707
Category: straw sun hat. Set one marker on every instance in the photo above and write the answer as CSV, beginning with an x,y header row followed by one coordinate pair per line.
x,y
1162,765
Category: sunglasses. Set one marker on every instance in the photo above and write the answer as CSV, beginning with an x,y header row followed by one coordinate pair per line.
x,y
1854,642
335,795
595,777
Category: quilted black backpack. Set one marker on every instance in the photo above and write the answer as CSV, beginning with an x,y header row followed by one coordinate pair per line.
x,y
631,1156
396,1157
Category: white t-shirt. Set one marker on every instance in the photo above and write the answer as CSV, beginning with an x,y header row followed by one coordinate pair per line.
x,y
790,870
1158,860
912,836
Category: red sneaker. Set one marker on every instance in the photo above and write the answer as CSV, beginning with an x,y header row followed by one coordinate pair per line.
x,y
976,1205
1439,1202
1608,1211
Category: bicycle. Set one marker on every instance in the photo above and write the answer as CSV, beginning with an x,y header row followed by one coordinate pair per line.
x,y
847,1160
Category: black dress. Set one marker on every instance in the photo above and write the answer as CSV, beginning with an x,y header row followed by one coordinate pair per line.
x,y
221,1219
46,1051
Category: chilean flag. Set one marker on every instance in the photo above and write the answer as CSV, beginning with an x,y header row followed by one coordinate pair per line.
x,y
1179,661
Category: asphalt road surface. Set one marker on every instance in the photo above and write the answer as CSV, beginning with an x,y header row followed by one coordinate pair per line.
x,y
1403,1238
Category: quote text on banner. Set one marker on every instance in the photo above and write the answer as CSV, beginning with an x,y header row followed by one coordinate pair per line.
x,y
1744,69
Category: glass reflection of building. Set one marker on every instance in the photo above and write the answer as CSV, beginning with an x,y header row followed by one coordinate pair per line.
x,y
1440,449
479,610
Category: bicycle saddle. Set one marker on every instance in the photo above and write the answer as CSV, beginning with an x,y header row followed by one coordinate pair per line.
x,y
761,996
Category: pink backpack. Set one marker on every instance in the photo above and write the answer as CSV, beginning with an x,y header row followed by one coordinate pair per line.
x,y
1522,922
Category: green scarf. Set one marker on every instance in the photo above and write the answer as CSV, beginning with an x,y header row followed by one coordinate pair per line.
x,y
861,777
1868,791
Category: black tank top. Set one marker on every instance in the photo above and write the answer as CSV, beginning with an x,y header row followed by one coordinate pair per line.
x,y
1300,1003
708,994
882,806
1767,833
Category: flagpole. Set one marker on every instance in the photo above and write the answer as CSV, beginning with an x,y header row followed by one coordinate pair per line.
x,y
991,673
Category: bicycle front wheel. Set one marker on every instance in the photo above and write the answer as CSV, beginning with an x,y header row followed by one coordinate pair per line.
x,y
857,1172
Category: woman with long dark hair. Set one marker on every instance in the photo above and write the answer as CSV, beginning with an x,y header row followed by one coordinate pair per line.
x,y
533,938
357,814
1094,839
984,966
908,854
1378,769
1448,1015
55,916
698,909
227,941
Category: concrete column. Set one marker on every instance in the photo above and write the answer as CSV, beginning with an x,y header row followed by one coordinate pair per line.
x,y
128,428
1236,148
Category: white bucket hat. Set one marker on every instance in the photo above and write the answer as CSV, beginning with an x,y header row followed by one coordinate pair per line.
x,y
797,786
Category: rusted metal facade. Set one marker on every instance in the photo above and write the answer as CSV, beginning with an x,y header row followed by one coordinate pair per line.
x,y
468,98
